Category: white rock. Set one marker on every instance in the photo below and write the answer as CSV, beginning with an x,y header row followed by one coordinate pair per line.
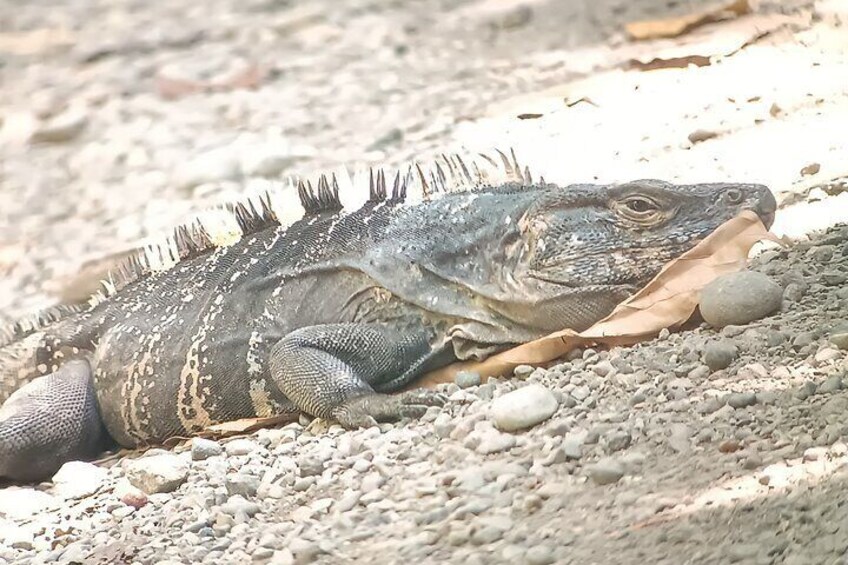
x,y
63,127
78,479
523,408
215,165
202,448
265,160
18,503
159,473
241,446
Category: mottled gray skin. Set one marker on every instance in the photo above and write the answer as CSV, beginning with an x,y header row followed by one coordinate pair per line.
x,y
329,313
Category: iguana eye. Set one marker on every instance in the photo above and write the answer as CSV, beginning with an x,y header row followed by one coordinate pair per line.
x,y
640,205
734,196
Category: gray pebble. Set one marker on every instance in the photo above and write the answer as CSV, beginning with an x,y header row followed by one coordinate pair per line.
x,y
606,471
832,384
740,298
158,473
742,399
523,371
719,354
310,466
242,484
840,340
618,440
238,505
806,390
803,340
466,379
204,448
539,555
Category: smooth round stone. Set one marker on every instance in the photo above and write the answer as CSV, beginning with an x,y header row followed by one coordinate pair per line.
x,y
740,298
719,354
523,408
606,471
466,379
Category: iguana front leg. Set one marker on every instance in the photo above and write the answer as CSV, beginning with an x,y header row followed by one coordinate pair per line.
x,y
333,371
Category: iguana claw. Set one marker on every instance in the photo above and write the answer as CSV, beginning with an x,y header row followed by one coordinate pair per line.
x,y
369,409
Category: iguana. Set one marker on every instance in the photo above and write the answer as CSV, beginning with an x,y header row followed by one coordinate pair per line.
x,y
330,313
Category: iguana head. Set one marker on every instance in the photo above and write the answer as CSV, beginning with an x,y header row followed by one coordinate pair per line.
x,y
606,242
623,234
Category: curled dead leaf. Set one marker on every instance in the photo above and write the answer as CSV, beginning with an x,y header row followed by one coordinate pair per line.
x,y
675,26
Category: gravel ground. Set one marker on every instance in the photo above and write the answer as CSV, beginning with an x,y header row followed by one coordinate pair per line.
x,y
702,446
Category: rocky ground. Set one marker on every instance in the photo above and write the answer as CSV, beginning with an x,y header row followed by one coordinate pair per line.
x,y
702,446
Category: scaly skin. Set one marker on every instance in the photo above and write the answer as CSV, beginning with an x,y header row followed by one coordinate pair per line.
x,y
326,315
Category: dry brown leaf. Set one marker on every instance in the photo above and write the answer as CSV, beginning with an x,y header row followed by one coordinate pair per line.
x,y
668,301
246,425
673,27
700,47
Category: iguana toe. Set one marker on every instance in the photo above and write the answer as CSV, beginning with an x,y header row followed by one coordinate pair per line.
x,y
367,410
424,397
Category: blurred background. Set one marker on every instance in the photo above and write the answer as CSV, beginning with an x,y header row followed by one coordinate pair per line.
x,y
122,118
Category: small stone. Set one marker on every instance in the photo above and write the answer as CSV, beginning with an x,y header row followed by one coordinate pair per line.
x,y
794,292
242,484
742,552
523,371
467,379
486,535
840,340
265,160
238,505
21,503
130,495
309,466
832,384
62,128
740,298
606,471
572,447
581,393
719,354
752,461
618,440
158,473
806,390
495,443
523,408
603,368
700,135
827,354
539,555
802,340
77,479
204,449
241,446
815,453
766,397
810,169
833,278
742,399
213,166
729,446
